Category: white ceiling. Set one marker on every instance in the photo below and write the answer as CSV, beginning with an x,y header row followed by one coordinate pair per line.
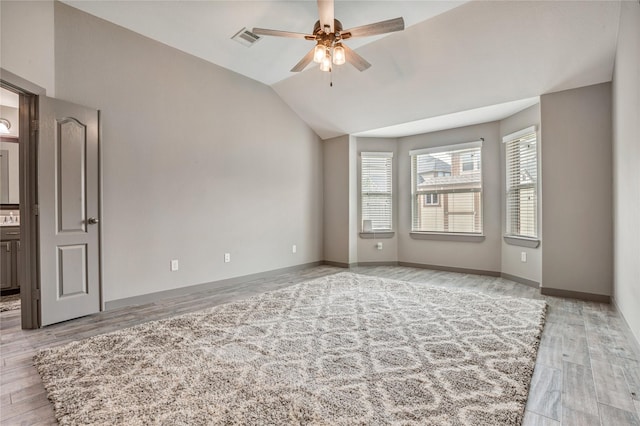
x,y
453,57
450,121
205,28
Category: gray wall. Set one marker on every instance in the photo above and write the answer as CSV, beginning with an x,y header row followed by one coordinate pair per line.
x,y
577,190
27,41
626,160
367,251
336,199
198,161
483,256
510,262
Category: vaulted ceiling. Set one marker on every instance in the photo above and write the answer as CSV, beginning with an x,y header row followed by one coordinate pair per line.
x,y
454,57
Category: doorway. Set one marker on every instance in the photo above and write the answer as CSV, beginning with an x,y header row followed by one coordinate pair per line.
x,y
58,263
19,229
10,243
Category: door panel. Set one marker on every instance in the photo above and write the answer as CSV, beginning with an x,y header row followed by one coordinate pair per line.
x,y
72,271
6,269
72,175
68,199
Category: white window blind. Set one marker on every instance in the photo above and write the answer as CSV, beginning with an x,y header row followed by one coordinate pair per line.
x,y
376,198
521,155
446,188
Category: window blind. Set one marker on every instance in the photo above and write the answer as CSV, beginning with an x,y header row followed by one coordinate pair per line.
x,y
446,188
521,156
376,198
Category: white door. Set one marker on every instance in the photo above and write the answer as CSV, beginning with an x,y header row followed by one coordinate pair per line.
x,y
68,186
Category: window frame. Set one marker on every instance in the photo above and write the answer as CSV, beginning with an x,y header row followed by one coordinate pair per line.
x,y
472,161
431,204
510,236
447,235
387,155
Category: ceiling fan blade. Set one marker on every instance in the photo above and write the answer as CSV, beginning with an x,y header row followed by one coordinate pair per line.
x,y
354,59
278,33
382,27
304,61
326,12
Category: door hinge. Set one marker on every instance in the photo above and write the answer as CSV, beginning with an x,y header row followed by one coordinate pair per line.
x,y
36,210
35,125
35,294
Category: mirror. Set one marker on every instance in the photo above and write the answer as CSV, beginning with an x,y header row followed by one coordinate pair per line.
x,y
9,171
9,150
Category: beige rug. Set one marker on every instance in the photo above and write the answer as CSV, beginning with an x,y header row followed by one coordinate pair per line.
x,y
345,349
9,303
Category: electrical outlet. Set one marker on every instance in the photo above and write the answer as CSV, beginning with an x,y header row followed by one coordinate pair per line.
x,y
523,256
379,246
174,265
227,257
294,249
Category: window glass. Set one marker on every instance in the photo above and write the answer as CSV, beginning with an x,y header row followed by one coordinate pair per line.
x,y
522,184
376,198
447,189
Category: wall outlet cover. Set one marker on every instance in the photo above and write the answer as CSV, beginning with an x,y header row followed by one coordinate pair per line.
x,y
227,257
174,265
294,249
523,256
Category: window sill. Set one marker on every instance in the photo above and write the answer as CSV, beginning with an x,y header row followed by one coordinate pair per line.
x,y
465,238
373,235
521,241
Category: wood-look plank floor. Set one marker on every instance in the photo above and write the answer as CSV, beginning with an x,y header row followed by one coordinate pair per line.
x,y
587,371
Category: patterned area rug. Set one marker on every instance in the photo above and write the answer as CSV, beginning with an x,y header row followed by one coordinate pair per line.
x,y
343,349
9,303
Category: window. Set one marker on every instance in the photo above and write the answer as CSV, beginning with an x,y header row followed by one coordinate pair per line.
x,y
521,156
431,200
375,191
470,162
446,188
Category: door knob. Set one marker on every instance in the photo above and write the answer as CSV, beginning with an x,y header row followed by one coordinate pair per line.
x,y
93,220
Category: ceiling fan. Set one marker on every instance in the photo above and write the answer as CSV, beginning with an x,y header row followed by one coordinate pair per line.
x,y
328,35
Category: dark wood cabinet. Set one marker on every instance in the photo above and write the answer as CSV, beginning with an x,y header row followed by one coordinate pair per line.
x,y
9,258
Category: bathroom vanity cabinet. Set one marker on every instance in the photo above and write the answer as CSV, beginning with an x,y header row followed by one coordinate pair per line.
x,y
9,248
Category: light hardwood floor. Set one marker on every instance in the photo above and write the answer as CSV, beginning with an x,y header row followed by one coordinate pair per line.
x,y
587,371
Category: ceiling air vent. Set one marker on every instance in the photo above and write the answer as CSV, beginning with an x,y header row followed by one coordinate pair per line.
x,y
246,37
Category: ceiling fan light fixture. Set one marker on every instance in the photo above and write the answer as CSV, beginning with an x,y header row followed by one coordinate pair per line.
x,y
339,56
319,53
325,65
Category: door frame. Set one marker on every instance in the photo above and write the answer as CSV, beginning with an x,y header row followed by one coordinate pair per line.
x,y
28,272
